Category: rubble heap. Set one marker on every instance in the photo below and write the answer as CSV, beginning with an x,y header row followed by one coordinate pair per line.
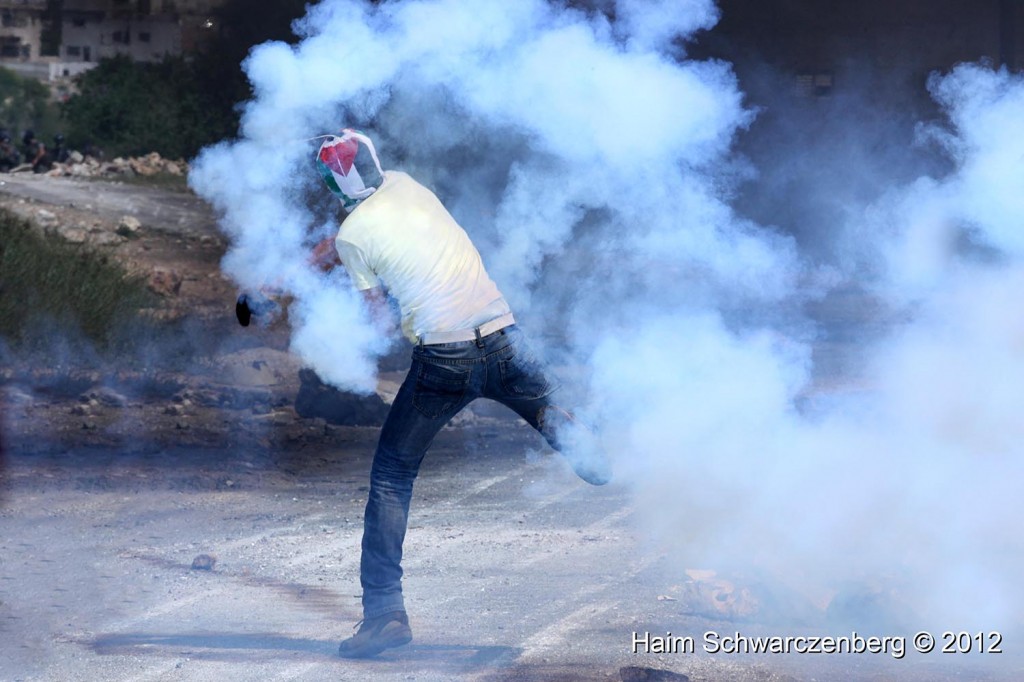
x,y
150,164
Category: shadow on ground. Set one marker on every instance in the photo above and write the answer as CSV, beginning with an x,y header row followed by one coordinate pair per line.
x,y
263,646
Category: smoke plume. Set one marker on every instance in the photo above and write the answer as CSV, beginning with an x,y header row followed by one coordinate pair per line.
x,y
593,164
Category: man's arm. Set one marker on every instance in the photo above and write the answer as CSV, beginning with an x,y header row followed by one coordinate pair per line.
x,y
324,256
380,312
366,282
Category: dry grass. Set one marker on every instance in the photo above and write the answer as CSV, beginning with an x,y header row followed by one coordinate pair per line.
x,y
49,286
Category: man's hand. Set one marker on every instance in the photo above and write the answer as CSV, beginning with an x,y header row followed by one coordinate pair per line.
x,y
253,305
324,256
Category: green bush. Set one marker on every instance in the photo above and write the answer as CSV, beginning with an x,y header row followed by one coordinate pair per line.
x,y
25,103
131,108
46,282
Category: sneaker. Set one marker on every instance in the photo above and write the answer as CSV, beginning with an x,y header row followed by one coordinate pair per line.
x,y
594,471
377,634
577,444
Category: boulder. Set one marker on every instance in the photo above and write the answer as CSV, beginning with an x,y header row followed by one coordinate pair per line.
x,y
164,282
128,226
318,399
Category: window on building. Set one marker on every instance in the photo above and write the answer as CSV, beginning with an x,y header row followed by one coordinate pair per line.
x,y
121,37
78,22
10,46
73,51
814,84
144,36
9,19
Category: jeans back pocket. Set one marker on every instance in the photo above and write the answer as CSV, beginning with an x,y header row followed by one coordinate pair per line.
x,y
440,389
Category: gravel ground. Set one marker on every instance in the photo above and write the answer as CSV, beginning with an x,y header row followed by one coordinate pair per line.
x,y
515,570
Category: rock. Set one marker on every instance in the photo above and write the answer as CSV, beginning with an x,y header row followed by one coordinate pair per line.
x,y
204,562
164,282
106,239
75,235
87,166
119,166
128,226
108,397
636,673
317,399
46,217
142,167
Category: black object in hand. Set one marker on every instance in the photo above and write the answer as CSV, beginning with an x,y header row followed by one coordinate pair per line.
x,y
242,310
249,305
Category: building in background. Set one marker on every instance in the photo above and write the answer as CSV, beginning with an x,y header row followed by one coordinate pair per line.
x,y
54,40
813,40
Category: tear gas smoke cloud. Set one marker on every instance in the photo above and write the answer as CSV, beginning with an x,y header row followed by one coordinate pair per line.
x,y
591,162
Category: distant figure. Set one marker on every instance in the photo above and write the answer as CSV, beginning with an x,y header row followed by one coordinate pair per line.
x,y
9,156
60,152
35,153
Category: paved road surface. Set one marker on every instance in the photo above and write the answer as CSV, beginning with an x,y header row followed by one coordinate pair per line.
x,y
515,571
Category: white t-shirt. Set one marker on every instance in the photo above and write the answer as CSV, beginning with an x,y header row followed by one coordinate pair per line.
x,y
402,238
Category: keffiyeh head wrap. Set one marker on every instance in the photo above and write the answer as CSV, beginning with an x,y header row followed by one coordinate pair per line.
x,y
348,164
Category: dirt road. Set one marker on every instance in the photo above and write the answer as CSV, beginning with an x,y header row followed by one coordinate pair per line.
x,y
515,570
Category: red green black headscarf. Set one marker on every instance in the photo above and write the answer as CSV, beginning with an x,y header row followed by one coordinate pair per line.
x,y
348,164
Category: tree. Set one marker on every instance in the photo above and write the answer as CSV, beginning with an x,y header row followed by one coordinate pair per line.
x,y
130,108
24,103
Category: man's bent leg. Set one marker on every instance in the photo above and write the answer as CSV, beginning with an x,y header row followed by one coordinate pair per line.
x,y
522,384
575,442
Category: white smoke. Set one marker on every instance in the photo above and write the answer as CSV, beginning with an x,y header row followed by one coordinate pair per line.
x,y
903,481
590,161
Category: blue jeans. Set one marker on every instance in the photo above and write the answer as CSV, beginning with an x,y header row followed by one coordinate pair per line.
x,y
443,379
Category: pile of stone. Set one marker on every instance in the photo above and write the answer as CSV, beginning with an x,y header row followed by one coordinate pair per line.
x,y
148,165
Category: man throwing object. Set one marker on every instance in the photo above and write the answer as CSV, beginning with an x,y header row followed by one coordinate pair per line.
x,y
398,238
